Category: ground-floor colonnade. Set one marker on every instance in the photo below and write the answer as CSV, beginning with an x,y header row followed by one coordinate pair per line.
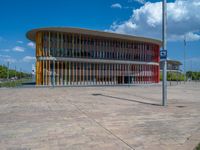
x,y
66,73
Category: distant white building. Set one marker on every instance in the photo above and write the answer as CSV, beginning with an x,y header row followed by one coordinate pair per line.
x,y
33,69
33,72
172,65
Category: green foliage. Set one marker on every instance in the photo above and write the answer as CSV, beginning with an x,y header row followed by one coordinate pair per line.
x,y
14,83
173,76
21,77
4,71
198,147
193,75
160,76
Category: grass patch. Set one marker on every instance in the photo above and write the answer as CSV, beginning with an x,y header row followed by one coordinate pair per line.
x,y
198,147
14,83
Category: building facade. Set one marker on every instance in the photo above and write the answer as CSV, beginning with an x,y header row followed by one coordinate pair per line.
x,y
72,56
172,65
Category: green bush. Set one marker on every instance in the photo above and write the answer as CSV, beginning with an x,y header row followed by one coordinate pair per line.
x,y
173,76
14,83
198,147
12,73
193,75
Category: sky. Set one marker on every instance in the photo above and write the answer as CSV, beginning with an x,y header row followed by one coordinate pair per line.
x,y
134,17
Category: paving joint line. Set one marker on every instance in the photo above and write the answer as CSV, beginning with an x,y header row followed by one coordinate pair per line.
x,y
102,126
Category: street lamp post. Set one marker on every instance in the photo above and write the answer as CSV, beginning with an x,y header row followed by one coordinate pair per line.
x,y
20,73
8,64
164,72
184,59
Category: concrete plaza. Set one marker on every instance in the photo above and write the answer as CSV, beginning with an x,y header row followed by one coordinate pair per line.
x,y
100,118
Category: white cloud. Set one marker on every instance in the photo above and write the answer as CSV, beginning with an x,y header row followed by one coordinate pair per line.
x,y
4,56
116,5
20,42
28,59
7,58
31,45
192,36
140,1
10,60
18,49
183,19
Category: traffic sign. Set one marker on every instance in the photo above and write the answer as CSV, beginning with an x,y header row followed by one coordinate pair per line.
x,y
163,54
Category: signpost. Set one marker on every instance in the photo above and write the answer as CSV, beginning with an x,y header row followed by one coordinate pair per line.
x,y
164,53
184,59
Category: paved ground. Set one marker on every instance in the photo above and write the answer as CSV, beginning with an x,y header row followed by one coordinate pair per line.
x,y
101,118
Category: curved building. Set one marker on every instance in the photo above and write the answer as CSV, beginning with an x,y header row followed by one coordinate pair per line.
x,y
172,65
73,56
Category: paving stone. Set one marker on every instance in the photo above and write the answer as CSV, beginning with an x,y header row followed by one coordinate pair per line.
x,y
87,118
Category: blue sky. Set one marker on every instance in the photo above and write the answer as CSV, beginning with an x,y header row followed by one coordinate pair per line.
x,y
136,17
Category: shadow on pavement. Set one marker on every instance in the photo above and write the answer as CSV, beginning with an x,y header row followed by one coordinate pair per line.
x,y
125,99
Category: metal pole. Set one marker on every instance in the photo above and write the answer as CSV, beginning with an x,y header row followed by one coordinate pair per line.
x,y
129,73
184,59
20,73
8,70
15,75
164,74
15,72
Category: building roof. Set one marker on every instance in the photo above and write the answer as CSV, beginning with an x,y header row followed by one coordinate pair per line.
x,y
171,61
32,34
